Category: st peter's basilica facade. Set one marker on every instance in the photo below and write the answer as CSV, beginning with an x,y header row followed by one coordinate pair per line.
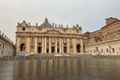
x,y
49,38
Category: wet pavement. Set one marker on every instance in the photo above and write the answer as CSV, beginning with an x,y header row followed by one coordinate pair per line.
x,y
67,68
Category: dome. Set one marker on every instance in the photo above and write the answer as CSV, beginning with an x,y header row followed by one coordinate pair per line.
x,y
45,23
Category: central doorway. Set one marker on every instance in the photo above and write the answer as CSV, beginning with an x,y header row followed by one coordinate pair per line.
x,y
53,49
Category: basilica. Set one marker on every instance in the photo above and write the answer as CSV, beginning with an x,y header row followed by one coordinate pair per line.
x,y
48,38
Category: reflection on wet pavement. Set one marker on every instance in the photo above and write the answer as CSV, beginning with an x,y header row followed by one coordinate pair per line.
x,y
61,69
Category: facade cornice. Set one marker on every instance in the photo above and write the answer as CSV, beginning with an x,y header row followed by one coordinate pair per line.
x,y
49,35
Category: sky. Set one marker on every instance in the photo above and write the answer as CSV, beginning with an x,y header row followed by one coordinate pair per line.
x,y
89,14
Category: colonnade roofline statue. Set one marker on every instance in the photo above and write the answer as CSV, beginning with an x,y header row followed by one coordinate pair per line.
x,y
47,24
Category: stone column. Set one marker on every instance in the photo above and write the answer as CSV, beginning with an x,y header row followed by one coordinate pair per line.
x,y
74,46
17,45
56,46
60,43
28,45
62,46
42,45
45,48
49,45
68,46
35,46
81,43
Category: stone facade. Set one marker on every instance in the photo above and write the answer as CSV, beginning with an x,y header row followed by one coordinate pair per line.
x,y
7,47
105,41
58,39
48,38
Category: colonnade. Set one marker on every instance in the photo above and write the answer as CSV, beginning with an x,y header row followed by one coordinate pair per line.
x,y
6,49
54,45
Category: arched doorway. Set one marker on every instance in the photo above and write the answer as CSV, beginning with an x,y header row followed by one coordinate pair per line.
x,y
78,48
39,49
22,47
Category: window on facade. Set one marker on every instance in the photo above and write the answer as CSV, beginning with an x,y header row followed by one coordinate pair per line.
x,y
53,43
58,50
65,50
53,49
78,48
39,44
23,28
107,50
57,43
47,50
113,50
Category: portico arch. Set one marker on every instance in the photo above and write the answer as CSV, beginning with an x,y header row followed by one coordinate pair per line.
x,y
22,47
78,47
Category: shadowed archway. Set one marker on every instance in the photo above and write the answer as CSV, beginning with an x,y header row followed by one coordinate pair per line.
x,y
22,47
